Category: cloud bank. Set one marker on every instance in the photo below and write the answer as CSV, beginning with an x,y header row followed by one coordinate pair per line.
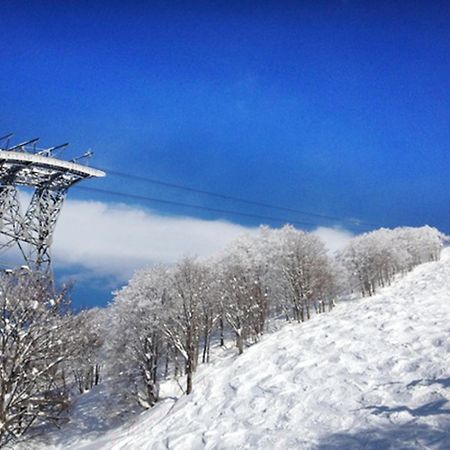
x,y
115,239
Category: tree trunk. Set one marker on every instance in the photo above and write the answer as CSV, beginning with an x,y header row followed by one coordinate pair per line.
x,y
188,376
205,344
240,343
221,326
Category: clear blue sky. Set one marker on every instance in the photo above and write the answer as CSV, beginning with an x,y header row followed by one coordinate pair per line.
x,y
337,107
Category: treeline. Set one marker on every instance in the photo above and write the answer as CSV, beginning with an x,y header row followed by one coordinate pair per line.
x,y
163,321
373,259
162,324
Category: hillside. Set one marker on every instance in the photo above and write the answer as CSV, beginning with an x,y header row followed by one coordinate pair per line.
x,y
373,373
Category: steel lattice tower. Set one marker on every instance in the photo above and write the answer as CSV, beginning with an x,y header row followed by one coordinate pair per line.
x,y
31,228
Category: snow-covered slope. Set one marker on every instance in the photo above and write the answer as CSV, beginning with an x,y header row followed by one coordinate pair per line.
x,y
373,373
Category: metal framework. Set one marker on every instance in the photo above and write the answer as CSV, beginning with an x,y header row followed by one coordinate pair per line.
x,y
31,228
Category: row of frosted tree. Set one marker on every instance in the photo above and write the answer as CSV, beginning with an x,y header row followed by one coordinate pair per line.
x,y
372,260
165,321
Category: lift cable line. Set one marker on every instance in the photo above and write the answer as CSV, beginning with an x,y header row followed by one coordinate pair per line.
x,y
207,208
229,197
49,152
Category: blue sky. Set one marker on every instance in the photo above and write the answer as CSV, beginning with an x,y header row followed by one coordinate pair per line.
x,y
338,108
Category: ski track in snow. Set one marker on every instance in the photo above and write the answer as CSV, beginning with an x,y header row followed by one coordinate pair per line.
x,y
372,374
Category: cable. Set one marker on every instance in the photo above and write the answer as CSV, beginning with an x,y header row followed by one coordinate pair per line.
x,y
199,207
226,197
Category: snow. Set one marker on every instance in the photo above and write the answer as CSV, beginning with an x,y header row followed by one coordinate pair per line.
x,y
374,373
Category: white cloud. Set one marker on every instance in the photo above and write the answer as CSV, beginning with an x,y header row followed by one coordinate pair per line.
x,y
334,238
117,239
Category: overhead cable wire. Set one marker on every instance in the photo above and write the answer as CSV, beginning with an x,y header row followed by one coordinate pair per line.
x,y
205,208
228,197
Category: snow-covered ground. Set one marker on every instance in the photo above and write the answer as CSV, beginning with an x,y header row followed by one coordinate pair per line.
x,y
372,374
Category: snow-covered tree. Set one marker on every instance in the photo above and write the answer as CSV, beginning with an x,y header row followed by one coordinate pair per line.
x,y
34,343
373,259
243,272
305,271
422,244
210,310
85,365
135,341
190,286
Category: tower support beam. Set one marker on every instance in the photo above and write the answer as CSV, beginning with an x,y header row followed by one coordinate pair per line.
x,y
39,224
50,179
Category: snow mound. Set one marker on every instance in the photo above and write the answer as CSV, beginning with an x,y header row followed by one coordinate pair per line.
x,y
373,373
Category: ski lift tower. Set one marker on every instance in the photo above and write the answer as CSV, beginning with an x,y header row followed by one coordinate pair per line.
x,y
30,227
